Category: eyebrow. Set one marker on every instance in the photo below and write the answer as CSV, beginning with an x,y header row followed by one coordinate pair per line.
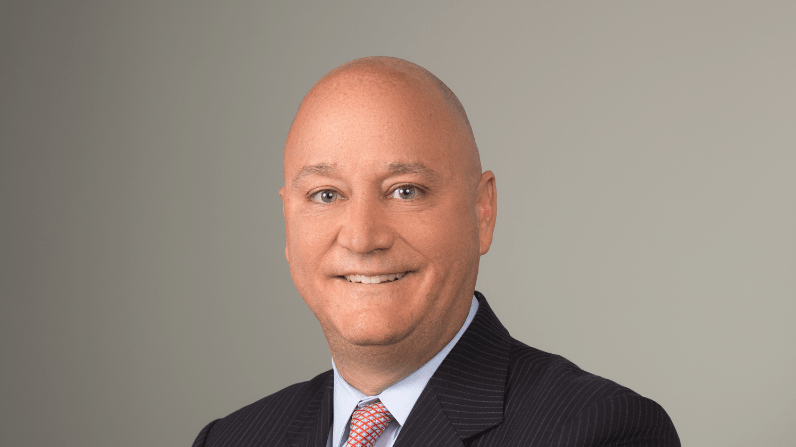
x,y
394,168
413,168
316,169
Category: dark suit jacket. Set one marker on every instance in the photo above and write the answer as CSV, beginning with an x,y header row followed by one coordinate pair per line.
x,y
491,390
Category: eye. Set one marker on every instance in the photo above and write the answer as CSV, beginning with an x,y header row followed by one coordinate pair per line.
x,y
405,192
326,196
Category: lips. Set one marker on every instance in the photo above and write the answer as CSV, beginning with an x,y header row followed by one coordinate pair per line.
x,y
375,279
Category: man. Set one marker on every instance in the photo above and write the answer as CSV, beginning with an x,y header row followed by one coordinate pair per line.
x,y
387,213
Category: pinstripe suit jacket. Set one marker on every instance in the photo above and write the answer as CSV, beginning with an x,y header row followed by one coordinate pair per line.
x,y
491,390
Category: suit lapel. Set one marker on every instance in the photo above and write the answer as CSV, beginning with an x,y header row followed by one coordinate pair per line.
x,y
465,395
428,425
310,428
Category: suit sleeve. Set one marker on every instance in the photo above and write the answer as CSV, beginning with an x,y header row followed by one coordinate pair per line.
x,y
621,420
202,436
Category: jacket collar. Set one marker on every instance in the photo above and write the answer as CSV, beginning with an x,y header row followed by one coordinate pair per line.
x,y
310,428
465,395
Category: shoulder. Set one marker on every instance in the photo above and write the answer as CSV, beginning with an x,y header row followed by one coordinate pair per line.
x,y
576,407
267,419
532,371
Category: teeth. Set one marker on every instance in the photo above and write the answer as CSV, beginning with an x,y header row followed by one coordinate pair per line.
x,y
375,279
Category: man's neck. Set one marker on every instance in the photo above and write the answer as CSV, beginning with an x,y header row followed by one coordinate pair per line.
x,y
373,368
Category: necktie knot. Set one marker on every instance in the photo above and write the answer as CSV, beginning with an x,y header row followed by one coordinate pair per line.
x,y
367,424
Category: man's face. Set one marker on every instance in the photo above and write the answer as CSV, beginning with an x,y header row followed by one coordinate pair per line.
x,y
382,216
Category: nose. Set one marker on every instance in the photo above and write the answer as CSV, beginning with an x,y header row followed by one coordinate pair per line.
x,y
366,227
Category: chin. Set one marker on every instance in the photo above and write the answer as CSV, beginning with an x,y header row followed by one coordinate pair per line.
x,y
373,335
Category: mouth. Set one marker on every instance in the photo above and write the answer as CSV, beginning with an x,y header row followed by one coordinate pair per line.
x,y
378,279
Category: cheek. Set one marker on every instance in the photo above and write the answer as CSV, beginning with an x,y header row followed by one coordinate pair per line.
x,y
304,243
447,237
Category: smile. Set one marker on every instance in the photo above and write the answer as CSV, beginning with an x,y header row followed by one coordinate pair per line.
x,y
375,279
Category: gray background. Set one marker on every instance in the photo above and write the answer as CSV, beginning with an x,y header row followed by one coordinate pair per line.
x,y
645,155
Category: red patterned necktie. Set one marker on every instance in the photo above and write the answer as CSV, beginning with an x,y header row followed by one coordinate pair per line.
x,y
367,424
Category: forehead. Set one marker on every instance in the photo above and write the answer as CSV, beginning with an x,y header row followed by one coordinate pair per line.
x,y
371,124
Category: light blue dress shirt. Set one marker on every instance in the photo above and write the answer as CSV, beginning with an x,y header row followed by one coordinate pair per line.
x,y
399,398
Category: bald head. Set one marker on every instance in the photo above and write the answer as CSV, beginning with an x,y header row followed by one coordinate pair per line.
x,y
383,68
389,86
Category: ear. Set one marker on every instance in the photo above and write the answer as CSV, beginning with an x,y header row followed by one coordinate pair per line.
x,y
284,204
486,209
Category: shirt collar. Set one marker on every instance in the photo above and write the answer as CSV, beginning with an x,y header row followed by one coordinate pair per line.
x,y
398,398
